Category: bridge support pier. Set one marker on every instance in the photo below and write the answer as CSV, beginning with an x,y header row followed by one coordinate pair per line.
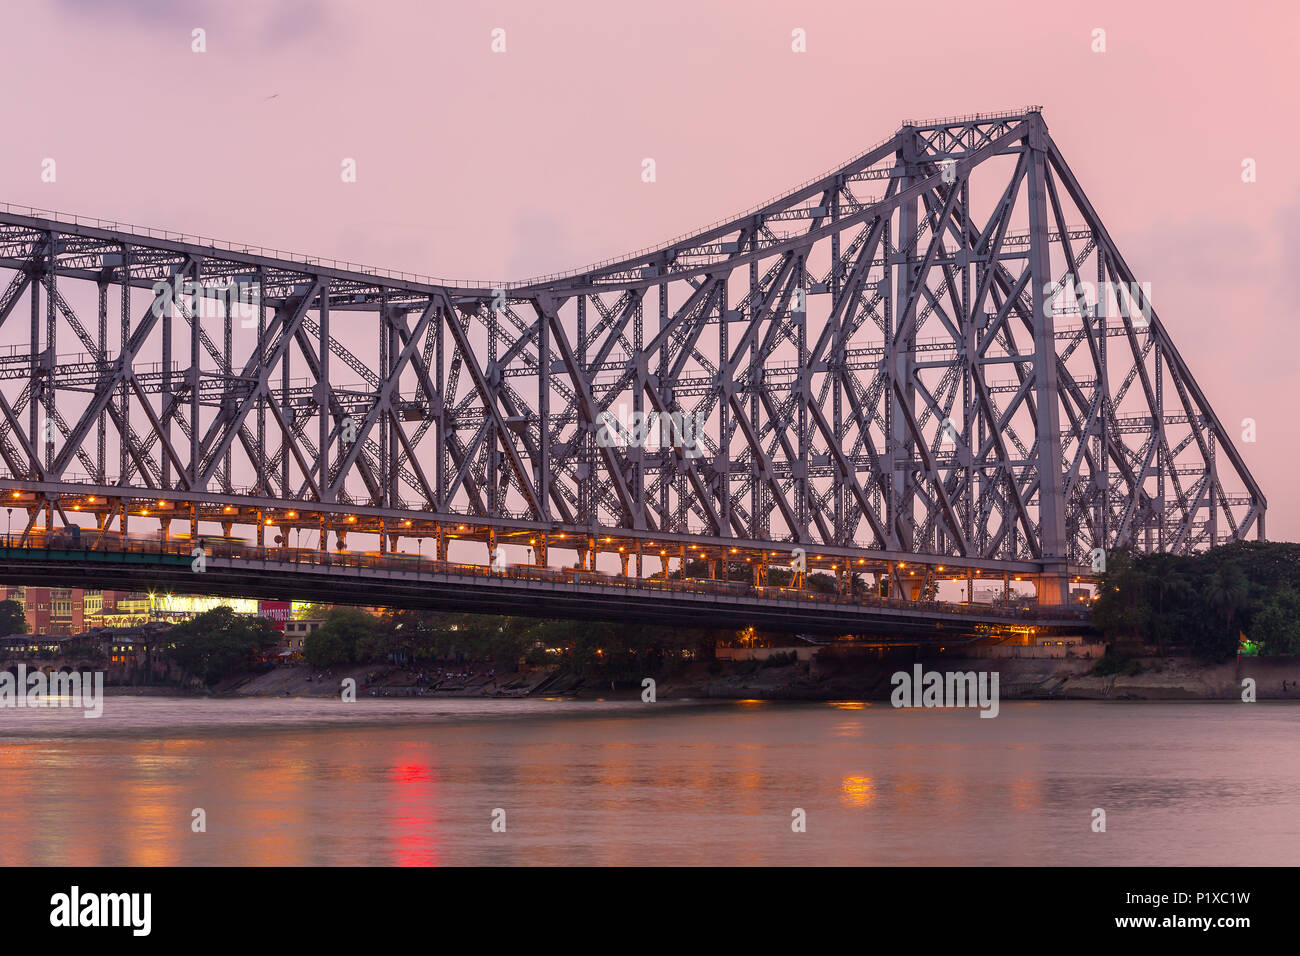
x,y
639,567
542,557
622,557
1053,587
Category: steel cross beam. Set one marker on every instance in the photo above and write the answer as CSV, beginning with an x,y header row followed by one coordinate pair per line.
x,y
873,374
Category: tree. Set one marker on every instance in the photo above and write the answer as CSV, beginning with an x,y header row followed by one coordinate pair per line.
x,y
1202,602
345,637
1276,627
1227,592
220,643
1122,608
13,619
324,648
1167,583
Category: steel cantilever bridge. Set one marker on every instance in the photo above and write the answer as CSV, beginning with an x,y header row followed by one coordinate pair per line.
x,y
905,368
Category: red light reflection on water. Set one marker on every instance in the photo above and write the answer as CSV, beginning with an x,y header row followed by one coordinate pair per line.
x,y
412,815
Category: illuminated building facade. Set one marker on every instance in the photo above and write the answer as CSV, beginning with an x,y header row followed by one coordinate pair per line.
x,y
68,611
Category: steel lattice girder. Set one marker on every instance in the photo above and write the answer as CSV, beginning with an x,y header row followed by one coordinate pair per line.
x,y
879,374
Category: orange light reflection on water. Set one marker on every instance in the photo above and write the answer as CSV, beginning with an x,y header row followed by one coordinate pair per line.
x,y
857,791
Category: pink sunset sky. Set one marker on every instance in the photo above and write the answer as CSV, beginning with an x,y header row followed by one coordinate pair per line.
x,y
480,165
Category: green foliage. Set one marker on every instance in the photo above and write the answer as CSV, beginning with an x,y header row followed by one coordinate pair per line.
x,y
1204,603
348,636
593,649
1276,625
12,618
821,583
220,643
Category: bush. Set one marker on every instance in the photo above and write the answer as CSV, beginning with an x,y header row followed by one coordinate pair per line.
x,y
1117,664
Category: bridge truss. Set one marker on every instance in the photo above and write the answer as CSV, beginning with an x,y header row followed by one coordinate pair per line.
x,y
897,364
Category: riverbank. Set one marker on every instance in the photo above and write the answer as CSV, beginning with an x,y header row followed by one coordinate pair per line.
x,y
828,676
1162,678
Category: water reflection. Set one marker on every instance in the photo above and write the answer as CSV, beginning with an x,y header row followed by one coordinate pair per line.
x,y
306,782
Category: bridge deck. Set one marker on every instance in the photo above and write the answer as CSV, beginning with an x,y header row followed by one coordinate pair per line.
x,y
413,582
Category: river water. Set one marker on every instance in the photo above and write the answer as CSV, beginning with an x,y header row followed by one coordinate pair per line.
x,y
621,782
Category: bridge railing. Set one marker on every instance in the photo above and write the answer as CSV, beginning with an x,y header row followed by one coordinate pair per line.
x,y
65,542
